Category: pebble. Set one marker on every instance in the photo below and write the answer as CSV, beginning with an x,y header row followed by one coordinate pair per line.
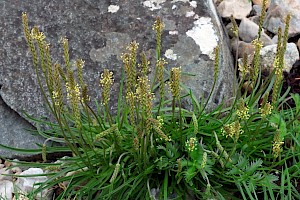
x,y
248,32
27,184
6,189
260,3
238,8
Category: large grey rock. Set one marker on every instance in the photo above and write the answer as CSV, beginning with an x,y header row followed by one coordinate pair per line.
x,y
277,13
13,133
99,31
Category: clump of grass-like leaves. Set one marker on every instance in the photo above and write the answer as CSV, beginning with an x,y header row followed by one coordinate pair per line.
x,y
249,150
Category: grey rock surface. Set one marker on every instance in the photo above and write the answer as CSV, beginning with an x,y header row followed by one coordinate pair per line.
x,y
99,31
13,133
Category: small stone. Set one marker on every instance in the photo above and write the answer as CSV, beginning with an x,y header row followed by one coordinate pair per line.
x,y
254,19
256,10
275,39
243,48
298,44
26,184
6,189
260,3
248,32
7,163
238,8
16,170
3,174
2,166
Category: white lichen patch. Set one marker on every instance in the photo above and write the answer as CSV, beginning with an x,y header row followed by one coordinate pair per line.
x,y
170,54
196,16
174,7
190,14
153,4
173,32
204,35
193,4
113,8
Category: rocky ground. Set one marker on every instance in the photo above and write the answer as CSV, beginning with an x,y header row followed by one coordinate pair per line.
x,y
246,14
247,18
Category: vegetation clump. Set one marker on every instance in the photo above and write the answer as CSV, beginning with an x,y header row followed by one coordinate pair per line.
x,y
249,150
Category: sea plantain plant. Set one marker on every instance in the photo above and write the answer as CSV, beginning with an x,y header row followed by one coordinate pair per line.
x,y
248,150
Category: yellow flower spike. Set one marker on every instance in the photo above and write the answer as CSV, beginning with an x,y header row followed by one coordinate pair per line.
x,y
160,121
65,44
130,97
195,122
74,96
29,40
160,65
158,27
221,149
40,38
57,88
258,46
145,64
244,68
136,143
161,134
174,81
115,173
277,143
216,68
106,83
232,130
191,144
204,160
44,153
235,28
266,109
145,96
79,64
242,111
111,130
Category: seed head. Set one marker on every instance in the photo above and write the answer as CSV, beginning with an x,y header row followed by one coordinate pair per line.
x,y
191,144
106,83
174,82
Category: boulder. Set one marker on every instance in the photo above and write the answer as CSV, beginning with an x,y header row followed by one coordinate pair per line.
x,y
248,32
6,189
99,31
13,132
277,13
